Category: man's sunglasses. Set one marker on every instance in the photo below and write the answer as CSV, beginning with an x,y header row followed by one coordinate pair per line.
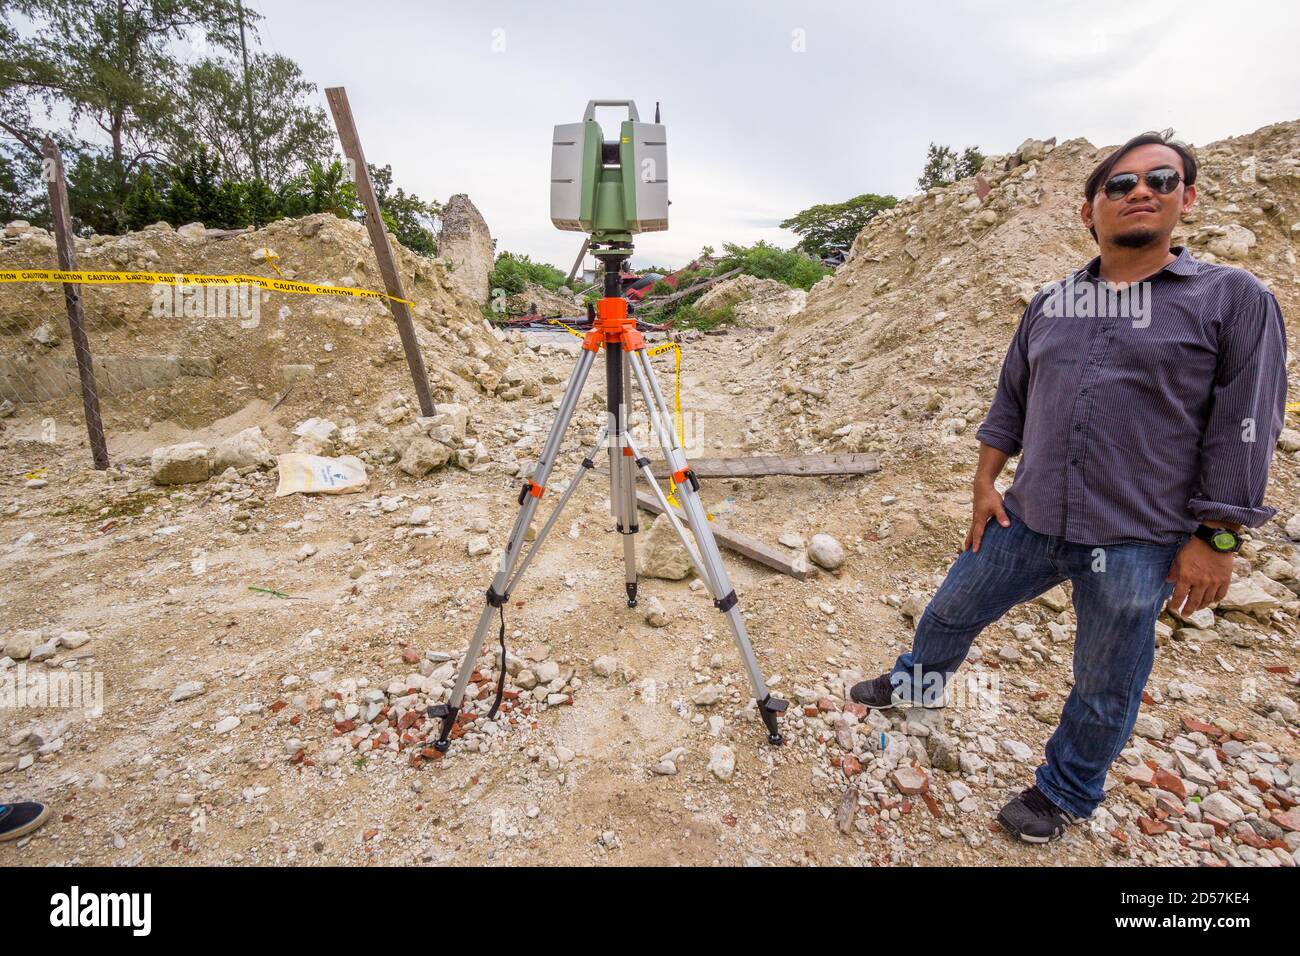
x,y
1163,180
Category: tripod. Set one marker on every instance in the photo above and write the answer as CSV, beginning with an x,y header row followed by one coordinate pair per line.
x,y
625,361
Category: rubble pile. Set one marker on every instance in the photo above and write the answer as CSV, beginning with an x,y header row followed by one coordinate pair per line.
x,y
189,362
754,302
266,662
904,342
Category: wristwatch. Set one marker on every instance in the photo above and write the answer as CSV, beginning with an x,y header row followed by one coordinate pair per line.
x,y
1220,539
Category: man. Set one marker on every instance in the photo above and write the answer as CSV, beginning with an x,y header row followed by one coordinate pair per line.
x,y
19,819
1145,394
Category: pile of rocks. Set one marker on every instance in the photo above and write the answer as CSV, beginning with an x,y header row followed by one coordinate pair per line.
x,y
934,287
327,717
754,302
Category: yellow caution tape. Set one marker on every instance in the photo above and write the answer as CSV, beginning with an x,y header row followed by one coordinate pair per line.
x,y
568,328
677,411
678,420
188,278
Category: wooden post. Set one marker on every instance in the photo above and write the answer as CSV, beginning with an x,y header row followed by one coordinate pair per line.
x,y
577,263
53,172
337,97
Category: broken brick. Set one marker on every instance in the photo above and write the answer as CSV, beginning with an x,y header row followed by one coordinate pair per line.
x,y
1142,775
1194,726
1167,780
1289,820
1152,827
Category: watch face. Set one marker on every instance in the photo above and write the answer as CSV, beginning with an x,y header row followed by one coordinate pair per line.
x,y
1225,540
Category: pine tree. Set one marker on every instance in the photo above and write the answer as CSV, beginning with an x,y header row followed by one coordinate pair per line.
x,y
261,203
182,206
228,211
143,204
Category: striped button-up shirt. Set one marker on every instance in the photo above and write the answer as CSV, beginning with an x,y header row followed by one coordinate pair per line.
x,y
1144,413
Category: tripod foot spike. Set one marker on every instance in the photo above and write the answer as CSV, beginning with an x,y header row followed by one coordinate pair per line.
x,y
631,594
448,715
769,708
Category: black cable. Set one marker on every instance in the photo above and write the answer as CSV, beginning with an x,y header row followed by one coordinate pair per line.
x,y
501,679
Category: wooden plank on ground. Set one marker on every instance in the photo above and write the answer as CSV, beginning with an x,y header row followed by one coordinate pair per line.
x,y
738,541
755,466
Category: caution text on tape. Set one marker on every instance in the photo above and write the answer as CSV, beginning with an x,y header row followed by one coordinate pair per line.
x,y
86,277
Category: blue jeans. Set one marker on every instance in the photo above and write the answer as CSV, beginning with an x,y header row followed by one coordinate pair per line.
x,y
1118,593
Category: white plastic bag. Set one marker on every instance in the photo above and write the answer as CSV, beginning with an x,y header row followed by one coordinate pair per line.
x,y
317,475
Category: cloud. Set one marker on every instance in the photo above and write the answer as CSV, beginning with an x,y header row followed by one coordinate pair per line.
x,y
461,96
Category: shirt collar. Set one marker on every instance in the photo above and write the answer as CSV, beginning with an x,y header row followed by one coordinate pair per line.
x,y
1184,265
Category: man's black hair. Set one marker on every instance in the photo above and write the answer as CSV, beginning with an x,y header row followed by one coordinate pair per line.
x,y
1097,178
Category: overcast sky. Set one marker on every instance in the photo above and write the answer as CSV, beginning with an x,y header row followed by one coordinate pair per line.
x,y
772,106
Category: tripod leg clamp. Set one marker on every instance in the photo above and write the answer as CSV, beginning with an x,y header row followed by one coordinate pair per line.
x,y
448,715
769,708
530,488
686,476
726,602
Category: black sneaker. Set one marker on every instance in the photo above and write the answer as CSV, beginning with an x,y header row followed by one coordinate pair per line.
x,y
19,819
878,694
1034,818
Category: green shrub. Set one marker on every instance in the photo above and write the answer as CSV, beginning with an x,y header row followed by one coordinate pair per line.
x,y
766,261
513,273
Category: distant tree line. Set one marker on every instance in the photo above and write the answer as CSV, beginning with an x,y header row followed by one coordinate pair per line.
x,y
228,136
830,228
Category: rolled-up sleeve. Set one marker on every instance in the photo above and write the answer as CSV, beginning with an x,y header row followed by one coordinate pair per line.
x,y
1245,418
1004,427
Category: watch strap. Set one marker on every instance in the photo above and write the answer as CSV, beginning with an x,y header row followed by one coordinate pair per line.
x,y
1216,538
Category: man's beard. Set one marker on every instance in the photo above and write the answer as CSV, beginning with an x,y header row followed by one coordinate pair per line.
x,y
1136,239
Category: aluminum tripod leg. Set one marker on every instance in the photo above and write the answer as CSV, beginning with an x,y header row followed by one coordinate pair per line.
x,y
499,593
724,595
620,473
627,487
588,463
674,518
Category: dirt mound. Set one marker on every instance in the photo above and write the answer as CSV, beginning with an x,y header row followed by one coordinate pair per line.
x,y
547,303
899,350
163,355
754,301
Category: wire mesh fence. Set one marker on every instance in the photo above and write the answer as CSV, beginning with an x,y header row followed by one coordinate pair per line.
x,y
150,344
